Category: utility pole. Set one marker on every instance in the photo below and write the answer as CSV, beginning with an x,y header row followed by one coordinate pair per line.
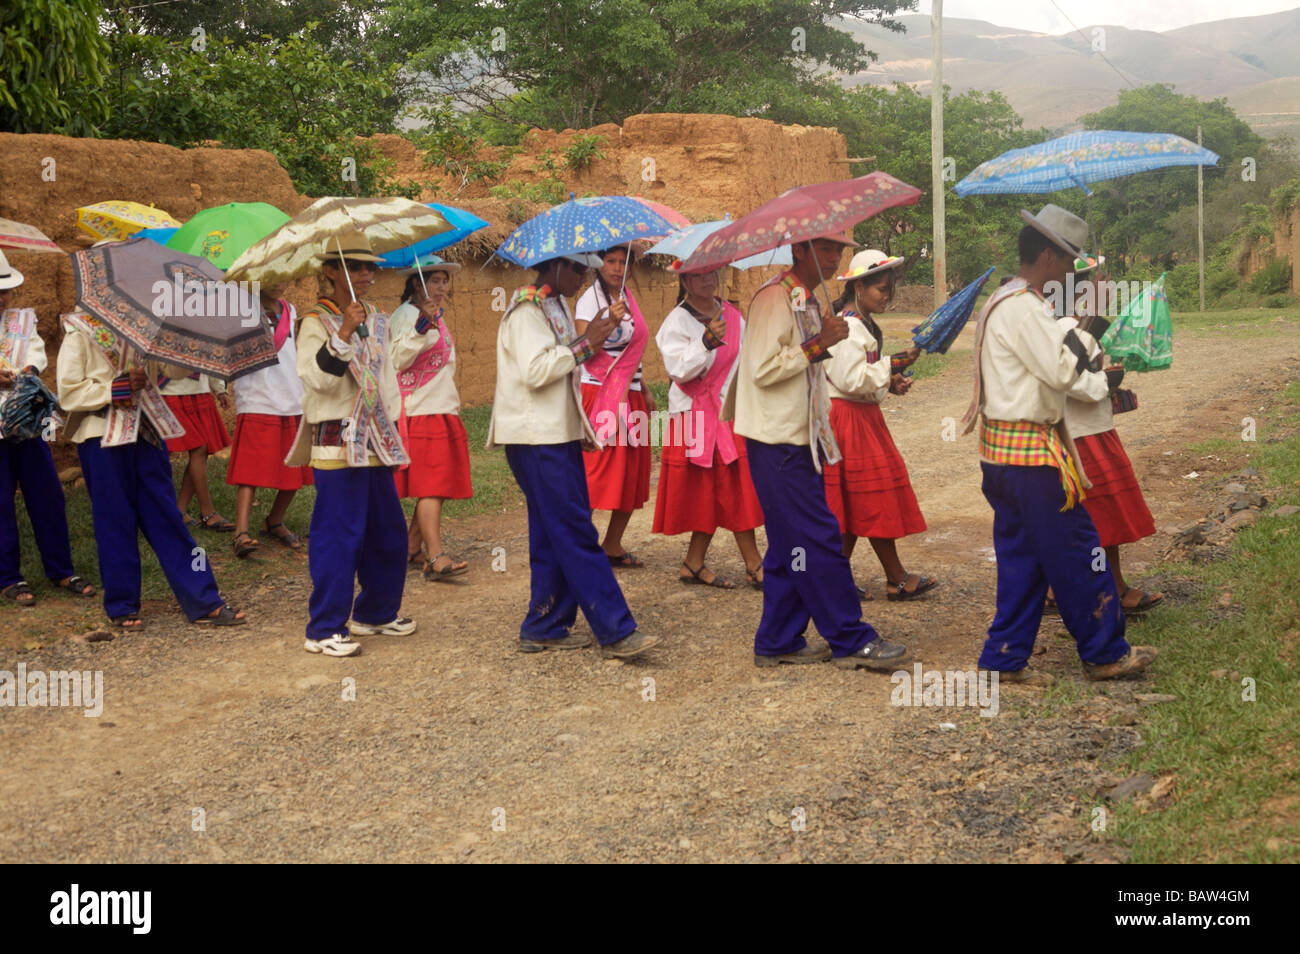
x,y
1200,221
936,153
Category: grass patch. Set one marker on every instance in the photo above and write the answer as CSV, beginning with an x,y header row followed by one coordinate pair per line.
x,y
1240,322
1237,761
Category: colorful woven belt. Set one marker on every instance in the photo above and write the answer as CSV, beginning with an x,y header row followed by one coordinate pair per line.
x,y
1030,444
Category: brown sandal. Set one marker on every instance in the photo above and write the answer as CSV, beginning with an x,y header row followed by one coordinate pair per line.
x,y
896,592
244,544
696,580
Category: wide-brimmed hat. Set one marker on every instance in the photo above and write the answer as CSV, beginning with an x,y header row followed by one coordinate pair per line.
x,y
431,263
868,262
842,238
354,245
10,277
1064,229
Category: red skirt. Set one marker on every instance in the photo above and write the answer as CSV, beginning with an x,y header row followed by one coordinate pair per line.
x,y
439,451
202,421
1115,501
618,477
869,491
695,499
262,442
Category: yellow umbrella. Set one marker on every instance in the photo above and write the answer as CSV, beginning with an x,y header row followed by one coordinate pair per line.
x,y
119,219
300,246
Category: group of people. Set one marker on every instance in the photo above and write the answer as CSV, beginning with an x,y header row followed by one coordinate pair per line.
x,y
774,420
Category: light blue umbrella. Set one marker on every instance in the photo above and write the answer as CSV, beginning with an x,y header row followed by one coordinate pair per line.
x,y
582,225
463,225
937,333
1079,159
160,235
681,243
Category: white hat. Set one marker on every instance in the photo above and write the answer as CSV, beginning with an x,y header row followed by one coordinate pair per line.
x,y
1066,230
868,262
431,263
10,277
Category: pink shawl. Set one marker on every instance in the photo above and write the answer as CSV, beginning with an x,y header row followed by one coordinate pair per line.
x,y
705,393
616,372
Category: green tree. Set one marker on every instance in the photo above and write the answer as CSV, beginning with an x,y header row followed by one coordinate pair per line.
x,y
1151,215
296,99
52,62
339,23
563,63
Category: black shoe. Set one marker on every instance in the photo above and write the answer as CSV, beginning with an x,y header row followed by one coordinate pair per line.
x,y
564,642
877,654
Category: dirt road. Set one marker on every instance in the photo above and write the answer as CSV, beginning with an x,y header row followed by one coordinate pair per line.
x,y
238,746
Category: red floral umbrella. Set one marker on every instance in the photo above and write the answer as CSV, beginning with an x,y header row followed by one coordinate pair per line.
x,y
801,214
668,212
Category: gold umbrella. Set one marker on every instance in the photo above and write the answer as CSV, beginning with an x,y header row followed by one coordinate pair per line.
x,y
300,246
119,219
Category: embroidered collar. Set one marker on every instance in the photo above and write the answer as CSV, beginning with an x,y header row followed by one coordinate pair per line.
x,y
799,292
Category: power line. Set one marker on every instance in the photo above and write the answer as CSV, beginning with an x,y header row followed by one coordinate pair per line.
x,y
1117,70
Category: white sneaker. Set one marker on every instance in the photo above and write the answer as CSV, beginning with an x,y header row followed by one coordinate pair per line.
x,y
340,644
398,627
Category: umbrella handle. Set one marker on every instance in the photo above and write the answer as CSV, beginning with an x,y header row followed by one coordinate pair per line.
x,y
362,330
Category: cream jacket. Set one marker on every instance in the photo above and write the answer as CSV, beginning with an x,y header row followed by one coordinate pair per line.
x,y
438,396
535,401
1087,403
1025,363
328,395
851,376
771,392
85,382
681,343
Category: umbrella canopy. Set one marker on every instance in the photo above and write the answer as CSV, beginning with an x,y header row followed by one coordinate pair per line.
x,y
160,235
463,224
1142,336
681,243
26,237
937,333
221,234
119,219
174,307
297,248
582,225
1079,159
801,214
668,212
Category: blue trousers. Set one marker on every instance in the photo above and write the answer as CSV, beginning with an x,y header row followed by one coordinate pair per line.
x,y
1037,545
569,568
131,492
805,573
358,532
29,465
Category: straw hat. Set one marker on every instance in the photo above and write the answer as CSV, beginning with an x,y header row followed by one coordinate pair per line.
x,y
1064,229
10,277
354,245
868,262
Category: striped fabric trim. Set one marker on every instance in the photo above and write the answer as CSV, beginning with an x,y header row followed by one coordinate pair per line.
x,y
1030,444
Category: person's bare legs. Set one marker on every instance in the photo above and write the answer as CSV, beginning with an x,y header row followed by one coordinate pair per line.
x,y
280,507
414,538
747,543
696,552
613,543
428,512
244,509
186,493
887,554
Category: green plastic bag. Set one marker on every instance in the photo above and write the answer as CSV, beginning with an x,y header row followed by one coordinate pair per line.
x,y
1142,337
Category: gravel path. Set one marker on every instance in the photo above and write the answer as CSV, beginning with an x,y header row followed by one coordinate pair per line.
x,y
235,745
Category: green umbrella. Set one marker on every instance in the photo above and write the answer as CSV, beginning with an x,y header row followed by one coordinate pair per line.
x,y
222,233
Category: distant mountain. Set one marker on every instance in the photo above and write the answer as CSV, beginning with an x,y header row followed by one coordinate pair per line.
x,y
1254,62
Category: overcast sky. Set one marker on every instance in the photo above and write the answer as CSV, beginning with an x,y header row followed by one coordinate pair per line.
x,y
1042,16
